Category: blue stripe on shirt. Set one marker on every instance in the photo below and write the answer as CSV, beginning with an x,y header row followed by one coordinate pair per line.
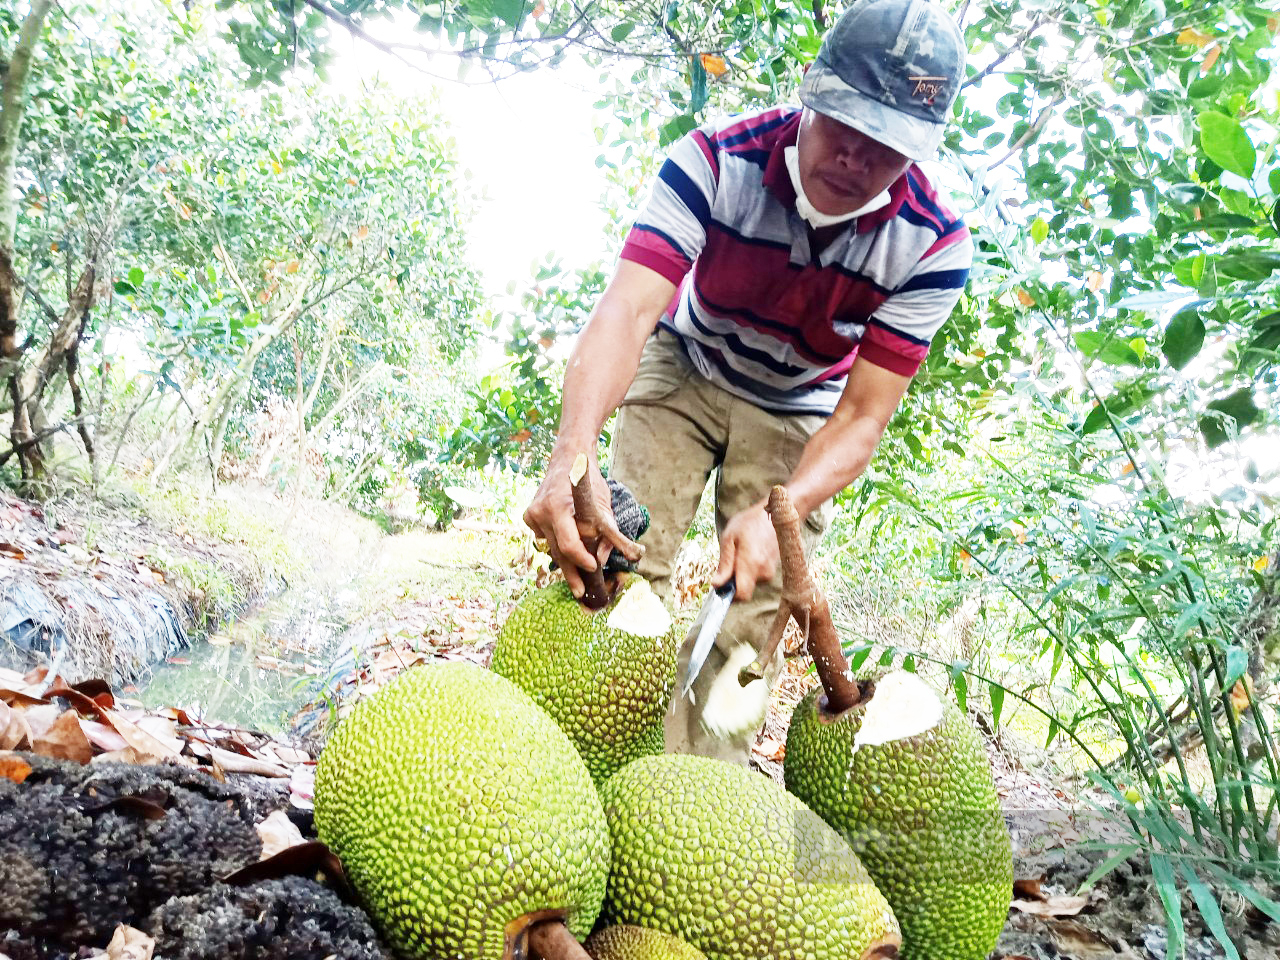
x,y
793,335
752,132
771,398
690,195
937,280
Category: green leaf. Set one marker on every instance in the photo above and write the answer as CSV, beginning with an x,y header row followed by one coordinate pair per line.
x,y
996,692
962,692
697,86
1183,338
621,32
1237,406
1209,911
1265,905
1123,853
1099,346
1039,231
1167,889
1216,221
136,276
1226,143
1237,664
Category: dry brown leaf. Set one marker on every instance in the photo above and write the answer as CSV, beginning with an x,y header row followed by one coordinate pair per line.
x,y
40,718
1075,940
163,729
278,833
64,740
127,755
139,739
302,786
12,732
235,763
1054,906
1028,888
102,736
13,767
771,749
128,943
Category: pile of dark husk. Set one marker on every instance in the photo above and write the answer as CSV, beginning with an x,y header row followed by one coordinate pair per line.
x,y
84,849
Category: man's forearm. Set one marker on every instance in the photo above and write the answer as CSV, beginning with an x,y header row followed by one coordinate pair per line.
x,y
607,354
835,456
602,366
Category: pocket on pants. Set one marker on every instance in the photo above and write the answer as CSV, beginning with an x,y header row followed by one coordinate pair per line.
x,y
663,370
799,429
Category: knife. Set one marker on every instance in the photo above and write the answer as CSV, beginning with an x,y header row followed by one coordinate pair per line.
x,y
714,612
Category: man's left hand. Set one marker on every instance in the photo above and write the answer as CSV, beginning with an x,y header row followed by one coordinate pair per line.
x,y
748,550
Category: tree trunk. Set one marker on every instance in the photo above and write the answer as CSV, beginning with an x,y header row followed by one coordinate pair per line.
x,y
13,106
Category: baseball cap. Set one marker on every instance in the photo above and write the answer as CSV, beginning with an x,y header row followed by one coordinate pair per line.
x,y
890,69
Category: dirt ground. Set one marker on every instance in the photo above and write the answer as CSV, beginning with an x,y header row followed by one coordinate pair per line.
x,y
440,614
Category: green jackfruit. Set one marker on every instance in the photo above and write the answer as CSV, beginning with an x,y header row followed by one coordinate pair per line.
x,y
731,863
605,676
905,779
458,807
624,942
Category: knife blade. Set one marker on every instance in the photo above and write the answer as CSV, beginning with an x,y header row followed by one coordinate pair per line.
x,y
715,610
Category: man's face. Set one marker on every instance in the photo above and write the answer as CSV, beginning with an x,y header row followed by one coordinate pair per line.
x,y
842,169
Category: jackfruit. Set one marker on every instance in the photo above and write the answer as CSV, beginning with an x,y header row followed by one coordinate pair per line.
x,y
905,779
625,942
605,676
460,811
731,863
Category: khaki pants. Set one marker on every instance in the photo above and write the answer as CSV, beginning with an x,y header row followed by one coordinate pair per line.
x,y
673,429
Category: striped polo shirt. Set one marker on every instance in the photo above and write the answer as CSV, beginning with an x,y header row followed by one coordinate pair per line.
x,y
761,314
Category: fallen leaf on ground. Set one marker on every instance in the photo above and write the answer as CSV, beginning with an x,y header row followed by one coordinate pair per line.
x,y
13,727
1074,939
102,736
302,784
13,767
140,740
1054,906
278,833
129,944
236,763
64,740
771,749
40,718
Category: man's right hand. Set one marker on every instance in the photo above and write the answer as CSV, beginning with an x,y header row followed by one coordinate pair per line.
x,y
552,518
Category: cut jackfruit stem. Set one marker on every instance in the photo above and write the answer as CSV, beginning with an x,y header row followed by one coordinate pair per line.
x,y
804,600
585,512
885,949
551,940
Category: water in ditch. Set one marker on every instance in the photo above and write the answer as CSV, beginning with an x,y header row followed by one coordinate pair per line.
x,y
260,670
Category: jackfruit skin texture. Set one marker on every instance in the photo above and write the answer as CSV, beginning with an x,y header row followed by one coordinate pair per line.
x,y
626,942
923,815
607,689
728,861
457,806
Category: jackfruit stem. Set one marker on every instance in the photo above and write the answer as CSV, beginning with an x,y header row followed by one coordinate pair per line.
x,y
600,534
804,600
551,940
883,949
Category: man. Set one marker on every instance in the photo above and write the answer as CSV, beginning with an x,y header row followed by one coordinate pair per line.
x,y
768,311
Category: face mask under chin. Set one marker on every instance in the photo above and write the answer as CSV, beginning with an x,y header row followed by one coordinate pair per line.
x,y
811,214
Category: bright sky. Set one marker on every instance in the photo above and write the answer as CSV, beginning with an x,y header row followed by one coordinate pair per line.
x,y
529,146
